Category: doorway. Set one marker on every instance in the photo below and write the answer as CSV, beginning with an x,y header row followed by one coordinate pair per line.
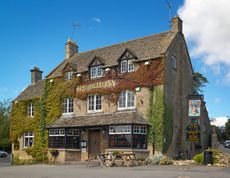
x,y
94,142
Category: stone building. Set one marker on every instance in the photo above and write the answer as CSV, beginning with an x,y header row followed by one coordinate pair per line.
x,y
112,91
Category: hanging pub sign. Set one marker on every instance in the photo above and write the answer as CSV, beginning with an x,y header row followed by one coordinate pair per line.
x,y
96,85
194,108
193,133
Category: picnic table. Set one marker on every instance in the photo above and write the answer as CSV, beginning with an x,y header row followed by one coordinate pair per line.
x,y
109,160
126,158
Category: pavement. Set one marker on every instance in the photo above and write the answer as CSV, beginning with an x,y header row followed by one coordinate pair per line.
x,y
80,171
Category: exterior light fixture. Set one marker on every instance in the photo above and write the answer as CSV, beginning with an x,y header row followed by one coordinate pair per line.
x,y
147,63
51,80
107,69
138,89
78,75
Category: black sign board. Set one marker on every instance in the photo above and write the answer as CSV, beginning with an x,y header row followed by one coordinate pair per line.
x,y
193,133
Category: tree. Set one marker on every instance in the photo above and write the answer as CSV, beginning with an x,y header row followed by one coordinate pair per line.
x,y
227,128
199,82
4,124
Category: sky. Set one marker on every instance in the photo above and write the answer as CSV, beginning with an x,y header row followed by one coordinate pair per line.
x,y
34,33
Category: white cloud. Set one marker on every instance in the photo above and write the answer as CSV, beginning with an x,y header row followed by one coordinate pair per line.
x,y
219,121
207,26
96,19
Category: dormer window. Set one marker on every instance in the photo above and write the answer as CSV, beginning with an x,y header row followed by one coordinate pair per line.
x,y
96,72
127,66
69,76
126,61
30,110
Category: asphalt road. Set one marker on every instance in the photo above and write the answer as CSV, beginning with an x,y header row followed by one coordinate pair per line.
x,y
73,171
5,161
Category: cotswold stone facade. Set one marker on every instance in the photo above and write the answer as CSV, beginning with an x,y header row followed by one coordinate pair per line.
x,y
100,100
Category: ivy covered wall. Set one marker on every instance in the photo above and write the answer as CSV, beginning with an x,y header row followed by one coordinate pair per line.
x,y
161,120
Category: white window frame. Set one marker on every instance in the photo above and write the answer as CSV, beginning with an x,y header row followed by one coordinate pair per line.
x,y
66,103
27,137
126,100
30,110
96,72
126,66
120,129
173,62
56,132
130,63
95,99
69,76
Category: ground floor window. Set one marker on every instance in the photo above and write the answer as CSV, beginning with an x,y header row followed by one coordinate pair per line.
x,y
64,138
128,136
28,139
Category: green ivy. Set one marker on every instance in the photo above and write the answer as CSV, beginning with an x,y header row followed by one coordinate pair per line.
x,y
160,119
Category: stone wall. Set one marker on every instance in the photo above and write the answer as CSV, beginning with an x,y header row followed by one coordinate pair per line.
x,y
178,85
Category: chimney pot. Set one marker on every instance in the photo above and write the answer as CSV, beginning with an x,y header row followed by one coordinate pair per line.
x,y
36,75
177,24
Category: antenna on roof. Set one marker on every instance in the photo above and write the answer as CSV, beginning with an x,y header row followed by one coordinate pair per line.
x,y
169,6
75,25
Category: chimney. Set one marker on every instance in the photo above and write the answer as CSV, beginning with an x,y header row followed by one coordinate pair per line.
x,y
177,24
36,75
71,48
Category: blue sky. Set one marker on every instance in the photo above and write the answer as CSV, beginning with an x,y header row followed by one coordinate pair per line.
x,y
34,33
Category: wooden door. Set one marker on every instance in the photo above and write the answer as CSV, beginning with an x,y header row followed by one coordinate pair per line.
x,y
94,142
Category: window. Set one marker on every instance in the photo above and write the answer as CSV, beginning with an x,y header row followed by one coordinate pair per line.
x,y
58,138
122,129
120,136
28,139
173,62
96,72
139,129
69,76
67,105
126,100
94,103
127,66
30,110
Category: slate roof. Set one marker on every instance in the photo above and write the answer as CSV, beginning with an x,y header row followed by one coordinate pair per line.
x,y
127,117
32,91
148,47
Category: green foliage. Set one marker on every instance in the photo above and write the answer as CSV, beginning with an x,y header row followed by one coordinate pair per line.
x,y
38,152
4,124
47,109
199,82
17,161
227,128
199,158
160,119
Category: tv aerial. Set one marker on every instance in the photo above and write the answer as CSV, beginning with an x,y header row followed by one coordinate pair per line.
x,y
75,26
169,6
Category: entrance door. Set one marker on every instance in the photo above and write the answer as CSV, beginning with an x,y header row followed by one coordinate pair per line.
x,y
94,142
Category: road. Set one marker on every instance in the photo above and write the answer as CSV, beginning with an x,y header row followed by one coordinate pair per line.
x,y
225,150
80,171
5,161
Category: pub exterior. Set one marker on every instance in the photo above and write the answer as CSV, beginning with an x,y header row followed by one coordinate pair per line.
x,y
103,101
